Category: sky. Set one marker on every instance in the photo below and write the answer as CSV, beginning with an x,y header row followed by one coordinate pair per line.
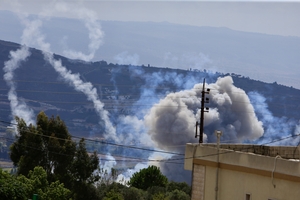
x,y
266,17
270,17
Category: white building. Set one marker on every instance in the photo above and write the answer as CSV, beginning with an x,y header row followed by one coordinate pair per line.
x,y
244,172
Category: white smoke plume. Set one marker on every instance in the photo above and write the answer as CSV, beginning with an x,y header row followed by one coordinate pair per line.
x,y
276,128
195,61
33,36
131,131
90,20
109,163
18,107
124,178
125,58
152,160
86,88
171,122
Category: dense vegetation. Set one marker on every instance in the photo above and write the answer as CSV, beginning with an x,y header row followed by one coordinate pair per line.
x,y
53,166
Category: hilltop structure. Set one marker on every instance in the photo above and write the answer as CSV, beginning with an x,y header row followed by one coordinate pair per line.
x,y
235,171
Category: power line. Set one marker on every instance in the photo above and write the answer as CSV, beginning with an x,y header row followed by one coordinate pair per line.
x,y
128,158
176,159
97,141
122,104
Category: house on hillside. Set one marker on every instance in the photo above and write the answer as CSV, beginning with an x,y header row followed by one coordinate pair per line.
x,y
243,172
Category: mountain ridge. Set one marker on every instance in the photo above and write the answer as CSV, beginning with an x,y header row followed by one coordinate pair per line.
x,y
99,73
260,56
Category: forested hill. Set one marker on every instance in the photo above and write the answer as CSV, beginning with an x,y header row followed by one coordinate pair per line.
x,y
119,87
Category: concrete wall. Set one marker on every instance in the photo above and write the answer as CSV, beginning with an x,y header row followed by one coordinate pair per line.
x,y
243,173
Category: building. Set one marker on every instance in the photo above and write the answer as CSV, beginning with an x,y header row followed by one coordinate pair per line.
x,y
243,172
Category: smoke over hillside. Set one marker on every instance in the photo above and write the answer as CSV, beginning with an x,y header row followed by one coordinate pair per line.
x,y
162,116
172,120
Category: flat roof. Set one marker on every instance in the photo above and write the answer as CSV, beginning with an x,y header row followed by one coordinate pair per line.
x,y
246,158
286,152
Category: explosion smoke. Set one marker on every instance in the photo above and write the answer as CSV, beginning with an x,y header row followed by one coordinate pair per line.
x,y
172,120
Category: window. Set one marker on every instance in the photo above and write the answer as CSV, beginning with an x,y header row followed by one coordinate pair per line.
x,y
248,197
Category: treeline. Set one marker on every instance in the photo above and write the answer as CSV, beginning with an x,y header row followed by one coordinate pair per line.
x,y
51,165
14,186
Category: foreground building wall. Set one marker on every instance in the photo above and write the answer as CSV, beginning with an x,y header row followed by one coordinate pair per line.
x,y
242,176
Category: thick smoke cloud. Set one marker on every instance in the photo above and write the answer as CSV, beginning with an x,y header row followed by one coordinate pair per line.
x,y
172,120
237,118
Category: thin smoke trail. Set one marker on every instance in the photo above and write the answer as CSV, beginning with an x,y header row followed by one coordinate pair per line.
x,y
95,35
89,19
86,88
18,107
35,37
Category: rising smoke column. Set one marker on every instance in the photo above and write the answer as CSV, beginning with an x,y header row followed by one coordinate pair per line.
x,y
18,107
86,88
171,122
95,35
35,37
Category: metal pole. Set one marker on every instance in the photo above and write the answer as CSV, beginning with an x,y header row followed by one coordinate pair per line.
x,y
218,134
202,114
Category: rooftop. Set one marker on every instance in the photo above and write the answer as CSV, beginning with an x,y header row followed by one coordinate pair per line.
x,y
286,152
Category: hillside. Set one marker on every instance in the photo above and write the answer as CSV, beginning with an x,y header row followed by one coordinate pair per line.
x,y
132,94
42,88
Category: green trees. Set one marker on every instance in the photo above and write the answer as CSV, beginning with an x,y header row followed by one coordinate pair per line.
x,y
147,178
184,187
21,187
177,195
10,188
53,166
49,145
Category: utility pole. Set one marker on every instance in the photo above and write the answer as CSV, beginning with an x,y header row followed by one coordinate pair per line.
x,y
201,124
218,134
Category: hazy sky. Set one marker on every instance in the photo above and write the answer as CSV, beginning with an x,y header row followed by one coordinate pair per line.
x,y
271,17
